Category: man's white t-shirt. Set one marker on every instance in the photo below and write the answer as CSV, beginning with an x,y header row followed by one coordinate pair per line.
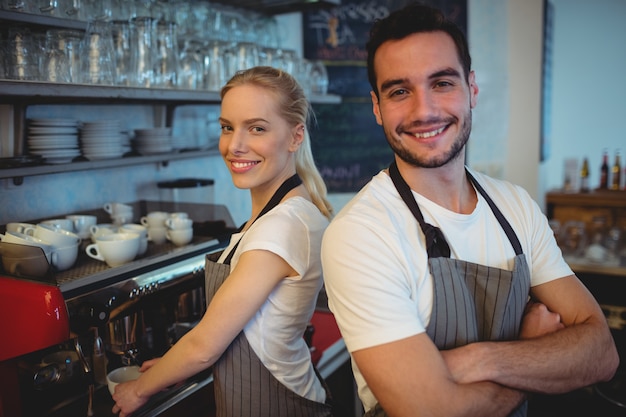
x,y
376,267
292,230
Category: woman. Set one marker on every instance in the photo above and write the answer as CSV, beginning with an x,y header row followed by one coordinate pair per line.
x,y
260,304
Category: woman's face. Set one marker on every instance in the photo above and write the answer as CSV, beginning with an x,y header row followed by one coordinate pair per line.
x,y
257,144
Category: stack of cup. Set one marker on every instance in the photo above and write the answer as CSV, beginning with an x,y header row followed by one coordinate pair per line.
x,y
179,230
155,222
120,213
65,244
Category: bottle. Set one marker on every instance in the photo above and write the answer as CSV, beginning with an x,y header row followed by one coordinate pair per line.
x,y
616,172
604,171
584,176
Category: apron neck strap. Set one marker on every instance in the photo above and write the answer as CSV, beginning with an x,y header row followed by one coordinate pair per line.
x,y
436,244
288,185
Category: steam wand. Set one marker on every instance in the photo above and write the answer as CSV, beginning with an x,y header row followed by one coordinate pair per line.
x,y
89,373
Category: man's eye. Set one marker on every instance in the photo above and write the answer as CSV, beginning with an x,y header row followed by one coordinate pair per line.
x,y
443,84
398,92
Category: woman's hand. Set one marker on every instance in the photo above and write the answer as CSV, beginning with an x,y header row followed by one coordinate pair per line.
x,y
126,398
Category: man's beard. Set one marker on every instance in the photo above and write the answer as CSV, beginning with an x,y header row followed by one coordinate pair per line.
x,y
413,159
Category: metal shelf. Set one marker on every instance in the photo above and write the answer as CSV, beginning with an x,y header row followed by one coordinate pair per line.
x,y
46,92
17,174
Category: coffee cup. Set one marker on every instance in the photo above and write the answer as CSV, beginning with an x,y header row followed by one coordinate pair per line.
x,y
176,223
65,224
180,237
157,235
123,374
101,229
139,229
179,214
18,227
154,219
115,209
55,236
115,248
82,223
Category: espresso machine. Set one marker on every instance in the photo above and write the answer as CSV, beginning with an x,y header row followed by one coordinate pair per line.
x,y
98,318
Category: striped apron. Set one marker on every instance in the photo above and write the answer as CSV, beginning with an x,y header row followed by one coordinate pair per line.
x,y
244,387
472,302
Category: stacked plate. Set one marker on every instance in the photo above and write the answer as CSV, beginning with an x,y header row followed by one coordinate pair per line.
x,y
153,141
55,140
102,139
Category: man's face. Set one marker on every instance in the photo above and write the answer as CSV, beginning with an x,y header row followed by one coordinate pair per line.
x,y
424,103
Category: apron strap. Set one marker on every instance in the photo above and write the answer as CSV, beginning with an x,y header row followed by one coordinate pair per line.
x,y
436,244
288,185
517,246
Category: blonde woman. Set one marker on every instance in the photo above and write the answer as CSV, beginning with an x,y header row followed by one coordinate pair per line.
x,y
262,289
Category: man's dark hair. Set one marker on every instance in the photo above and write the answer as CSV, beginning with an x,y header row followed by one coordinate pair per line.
x,y
414,18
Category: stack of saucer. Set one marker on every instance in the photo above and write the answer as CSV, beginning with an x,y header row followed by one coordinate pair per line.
x,y
102,139
55,140
153,141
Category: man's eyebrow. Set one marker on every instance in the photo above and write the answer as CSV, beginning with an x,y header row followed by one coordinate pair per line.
x,y
446,72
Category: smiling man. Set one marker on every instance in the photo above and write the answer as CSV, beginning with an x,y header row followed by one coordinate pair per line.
x,y
450,291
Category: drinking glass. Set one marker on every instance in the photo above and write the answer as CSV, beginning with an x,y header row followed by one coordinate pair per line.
x,y
166,59
121,32
142,45
97,54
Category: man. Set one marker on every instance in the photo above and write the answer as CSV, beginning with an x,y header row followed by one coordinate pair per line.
x,y
429,269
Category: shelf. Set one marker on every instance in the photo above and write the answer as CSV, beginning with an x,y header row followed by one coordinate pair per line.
x,y
596,198
47,92
274,7
582,266
18,173
42,20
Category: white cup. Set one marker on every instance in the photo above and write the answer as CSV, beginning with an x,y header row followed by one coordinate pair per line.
x,y
59,238
65,224
154,219
82,223
101,229
115,249
175,223
18,227
65,244
66,257
120,219
157,235
123,374
115,209
139,229
179,214
180,237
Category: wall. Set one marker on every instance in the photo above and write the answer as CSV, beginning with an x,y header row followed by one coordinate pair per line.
x,y
588,89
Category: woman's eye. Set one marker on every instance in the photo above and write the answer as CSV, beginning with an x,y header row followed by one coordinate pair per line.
x,y
258,129
225,128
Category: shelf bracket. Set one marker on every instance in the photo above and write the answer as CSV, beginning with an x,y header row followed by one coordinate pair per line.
x,y
18,181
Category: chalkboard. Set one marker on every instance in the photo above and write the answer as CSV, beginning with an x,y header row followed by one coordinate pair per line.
x,y
340,33
348,145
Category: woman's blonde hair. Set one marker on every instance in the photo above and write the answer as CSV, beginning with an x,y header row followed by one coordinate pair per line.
x,y
294,108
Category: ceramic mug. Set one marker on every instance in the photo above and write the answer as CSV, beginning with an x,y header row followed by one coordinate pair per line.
x,y
176,223
82,223
139,229
180,237
115,248
154,219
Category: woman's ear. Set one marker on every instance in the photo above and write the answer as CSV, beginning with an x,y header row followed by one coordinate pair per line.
x,y
297,137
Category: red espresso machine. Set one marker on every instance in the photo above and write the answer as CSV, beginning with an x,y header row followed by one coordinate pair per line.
x,y
34,316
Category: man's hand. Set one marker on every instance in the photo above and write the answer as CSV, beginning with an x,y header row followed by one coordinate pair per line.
x,y
539,321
